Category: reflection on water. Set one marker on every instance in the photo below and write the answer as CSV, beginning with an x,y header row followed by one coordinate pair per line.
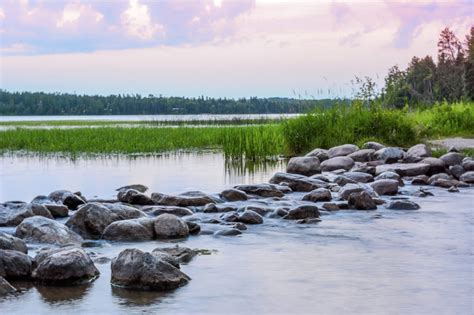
x,y
24,177
138,298
53,295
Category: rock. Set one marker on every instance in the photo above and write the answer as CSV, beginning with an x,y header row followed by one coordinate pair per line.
x,y
302,212
91,220
64,266
15,264
390,175
187,199
137,270
342,150
467,177
230,216
445,183
364,155
158,210
364,168
137,187
336,163
420,180
319,194
182,254
279,213
11,242
453,189
13,213
124,211
308,221
304,165
436,165
361,201
385,186
213,208
262,190
402,205
134,197
56,210
170,226
468,164
359,177
228,232
389,155
373,145
417,152
250,217
456,171
342,180
452,158
321,154
233,195
320,177
193,227
331,206
259,209
38,229
404,169
128,230
349,189
67,198
297,182
6,288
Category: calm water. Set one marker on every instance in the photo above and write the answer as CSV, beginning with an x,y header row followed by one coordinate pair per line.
x,y
382,262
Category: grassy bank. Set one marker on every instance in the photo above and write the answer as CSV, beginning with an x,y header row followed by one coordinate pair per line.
x,y
321,128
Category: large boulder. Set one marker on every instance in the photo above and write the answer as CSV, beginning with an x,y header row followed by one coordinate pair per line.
x,y
39,229
456,171
417,152
129,230
134,197
11,242
56,209
262,190
404,169
302,212
350,189
390,175
321,154
137,270
336,163
373,145
362,201
420,180
91,220
6,288
170,226
67,198
402,205
297,182
342,150
319,194
364,155
138,187
187,199
389,155
250,217
13,213
304,165
468,164
158,210
15,264
234,195
64,266
467,177
436,165
359,177
385,186
452,158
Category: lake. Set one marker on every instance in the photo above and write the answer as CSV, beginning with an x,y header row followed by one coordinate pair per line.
x,y
365,262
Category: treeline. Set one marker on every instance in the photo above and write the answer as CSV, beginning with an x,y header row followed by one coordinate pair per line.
x,y
426,82
28,103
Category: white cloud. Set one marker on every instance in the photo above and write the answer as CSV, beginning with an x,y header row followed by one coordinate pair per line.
x,y
138,23
74,11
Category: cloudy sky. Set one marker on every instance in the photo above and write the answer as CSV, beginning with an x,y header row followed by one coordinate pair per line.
x,y
218,48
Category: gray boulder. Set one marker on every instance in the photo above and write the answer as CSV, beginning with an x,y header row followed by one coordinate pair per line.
x,y
304,165
359,177
390,175
138,187
67,198
418,152
336,163
362,201
170,226
11,242
56,209
297,182
262,190
137,270
389,155
6,288
349,189
319,194
250,217
233,195
402,205
467,177
15,264
404,169
456,171
302,212
187,199
129,230
364,155
182,254
342,150
228,232
39,229
321,154
91,220
214,208
468,164
420,180
158,210
373,145
64,266
452,158
436,165
385,186
134,197
13,213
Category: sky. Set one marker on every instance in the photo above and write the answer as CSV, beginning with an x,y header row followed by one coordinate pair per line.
x,y
216,48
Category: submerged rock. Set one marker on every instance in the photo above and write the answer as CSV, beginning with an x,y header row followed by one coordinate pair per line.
x,y
302,212
228,232
402,205
250,217
137,270
64,266
38,229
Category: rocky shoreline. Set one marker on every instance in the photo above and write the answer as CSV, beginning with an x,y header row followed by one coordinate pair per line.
x,y
67,224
